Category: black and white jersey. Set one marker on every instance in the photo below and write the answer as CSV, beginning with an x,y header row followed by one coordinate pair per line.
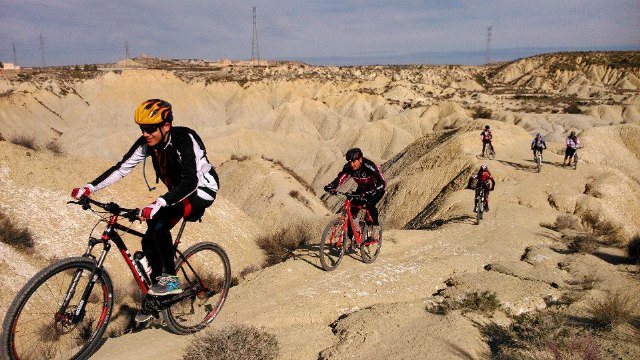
x,y
181,163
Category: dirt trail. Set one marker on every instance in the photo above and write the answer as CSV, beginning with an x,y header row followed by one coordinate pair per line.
x,y
298,301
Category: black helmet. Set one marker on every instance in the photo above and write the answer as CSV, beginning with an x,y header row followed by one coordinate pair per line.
x,y
486,127
353,154
573,133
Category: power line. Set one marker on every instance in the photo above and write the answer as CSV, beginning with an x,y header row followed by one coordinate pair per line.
x,y
126,49
44,62
15,57
255,51
487,55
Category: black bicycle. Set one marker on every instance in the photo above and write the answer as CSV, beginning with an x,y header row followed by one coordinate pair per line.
x,y
63,311
479,202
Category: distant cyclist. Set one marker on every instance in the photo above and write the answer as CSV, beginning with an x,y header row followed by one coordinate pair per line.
x,y
486,138
368,176
538,144
484,180
572,146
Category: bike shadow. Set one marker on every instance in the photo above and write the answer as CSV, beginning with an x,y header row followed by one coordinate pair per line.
x,y
307,252
519,166
436,224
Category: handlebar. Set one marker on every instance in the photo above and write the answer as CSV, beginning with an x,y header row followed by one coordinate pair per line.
x,y
110,207
350,195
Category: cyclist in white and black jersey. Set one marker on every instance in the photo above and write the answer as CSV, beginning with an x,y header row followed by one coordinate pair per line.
x,y
572,146
180,162
538,144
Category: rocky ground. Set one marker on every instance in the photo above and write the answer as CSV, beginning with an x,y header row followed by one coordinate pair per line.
x,y
442,287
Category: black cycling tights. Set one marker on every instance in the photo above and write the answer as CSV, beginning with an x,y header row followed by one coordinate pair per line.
x,y
157,244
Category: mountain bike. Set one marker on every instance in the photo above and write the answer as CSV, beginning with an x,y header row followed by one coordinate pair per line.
x,y
63,311
335,240
538,157
479,202
489,152
575,159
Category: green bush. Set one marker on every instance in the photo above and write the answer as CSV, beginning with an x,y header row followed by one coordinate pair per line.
x,y
235,342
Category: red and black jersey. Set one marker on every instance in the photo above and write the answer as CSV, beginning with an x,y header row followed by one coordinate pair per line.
x,y
486,135
368,177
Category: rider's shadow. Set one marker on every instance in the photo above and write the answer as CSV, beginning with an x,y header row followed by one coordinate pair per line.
x,y
518,166
306,252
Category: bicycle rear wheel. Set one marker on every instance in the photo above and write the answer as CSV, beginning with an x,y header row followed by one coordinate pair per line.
x,y
206,274
575,161
371,244
539,161
35,326
490,152
331,245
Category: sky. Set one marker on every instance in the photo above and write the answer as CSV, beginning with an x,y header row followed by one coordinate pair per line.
x,y
322,32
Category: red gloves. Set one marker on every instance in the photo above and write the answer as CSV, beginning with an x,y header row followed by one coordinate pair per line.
x,y
149,211
79,192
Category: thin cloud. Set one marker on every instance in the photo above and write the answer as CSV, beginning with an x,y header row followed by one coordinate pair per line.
x,y
82,31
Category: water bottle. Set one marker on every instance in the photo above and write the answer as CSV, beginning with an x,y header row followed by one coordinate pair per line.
x,y
142,263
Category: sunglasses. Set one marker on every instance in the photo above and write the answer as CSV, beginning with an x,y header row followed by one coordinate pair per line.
x,y
149,129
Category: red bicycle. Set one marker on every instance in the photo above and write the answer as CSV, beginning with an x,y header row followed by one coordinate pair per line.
x,y
335,240
63,311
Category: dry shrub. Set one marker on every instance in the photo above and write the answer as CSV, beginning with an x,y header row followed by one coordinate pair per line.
x,y
484,302
296,195
239,158
1,137
280,245
248,270
13,235
573,109
529,336
235,342
28,142
482,113
604,230
567,222
54,147
613,310
582,243
633,249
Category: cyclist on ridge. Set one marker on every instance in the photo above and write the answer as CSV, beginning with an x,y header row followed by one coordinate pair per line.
x,y
572,146
538,144
486,138
368,176
484,179
179,159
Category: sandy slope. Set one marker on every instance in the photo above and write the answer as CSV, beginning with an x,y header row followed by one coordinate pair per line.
x,y
278,133
378,310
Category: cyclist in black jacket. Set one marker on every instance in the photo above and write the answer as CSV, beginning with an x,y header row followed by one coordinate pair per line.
x,y
180,162
368,176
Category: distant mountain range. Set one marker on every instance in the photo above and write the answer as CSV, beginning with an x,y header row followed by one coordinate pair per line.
x,y
461,57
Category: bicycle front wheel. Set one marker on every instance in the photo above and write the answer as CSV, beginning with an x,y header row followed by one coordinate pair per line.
x,y
38,326
371,245
204,272
331,245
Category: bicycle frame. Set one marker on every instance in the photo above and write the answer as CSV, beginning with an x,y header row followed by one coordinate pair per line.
x,y
110,234
348,216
